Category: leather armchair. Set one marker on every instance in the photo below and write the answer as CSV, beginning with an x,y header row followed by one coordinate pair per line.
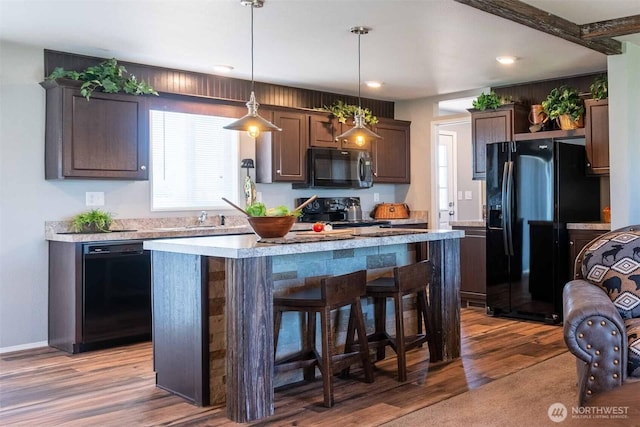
x,y
597,318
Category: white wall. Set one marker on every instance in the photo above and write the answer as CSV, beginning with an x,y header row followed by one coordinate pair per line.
x,y
422,112
27,200
624,136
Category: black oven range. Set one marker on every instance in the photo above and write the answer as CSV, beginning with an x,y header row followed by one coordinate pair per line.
x,y
334,210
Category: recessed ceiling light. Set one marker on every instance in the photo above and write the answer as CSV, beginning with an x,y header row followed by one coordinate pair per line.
x,y
373,84
506,60
222,68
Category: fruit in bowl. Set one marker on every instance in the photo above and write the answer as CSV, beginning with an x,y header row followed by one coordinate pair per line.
x,y
272,222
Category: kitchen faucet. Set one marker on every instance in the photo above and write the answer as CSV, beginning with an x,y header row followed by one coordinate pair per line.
x,y
202,218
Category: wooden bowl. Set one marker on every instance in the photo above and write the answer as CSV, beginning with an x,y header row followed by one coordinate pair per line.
x,y
271,226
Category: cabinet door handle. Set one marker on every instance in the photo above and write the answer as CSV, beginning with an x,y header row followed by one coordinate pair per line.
x,y
143,168
571,243
588,165
278,171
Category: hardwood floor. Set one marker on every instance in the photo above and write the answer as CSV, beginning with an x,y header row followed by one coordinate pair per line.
x,y
116,387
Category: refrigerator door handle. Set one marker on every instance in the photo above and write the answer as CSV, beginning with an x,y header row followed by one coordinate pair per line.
x,y
509,204
505,207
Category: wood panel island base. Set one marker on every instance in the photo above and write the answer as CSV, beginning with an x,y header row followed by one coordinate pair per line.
x,y
213,305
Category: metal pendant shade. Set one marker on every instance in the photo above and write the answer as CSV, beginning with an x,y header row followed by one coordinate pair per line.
x,y
359,133
252,123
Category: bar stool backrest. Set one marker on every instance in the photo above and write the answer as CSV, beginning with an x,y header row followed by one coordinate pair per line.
x,y
413,277
342,290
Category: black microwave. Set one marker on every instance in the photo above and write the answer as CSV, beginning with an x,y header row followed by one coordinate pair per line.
x,y
328,167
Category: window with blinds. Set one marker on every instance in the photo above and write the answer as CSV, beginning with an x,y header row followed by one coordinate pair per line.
x,y
194,161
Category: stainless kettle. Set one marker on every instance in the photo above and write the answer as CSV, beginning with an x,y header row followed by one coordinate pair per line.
x,y
354,212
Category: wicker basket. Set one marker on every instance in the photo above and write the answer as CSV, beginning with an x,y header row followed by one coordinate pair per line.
x,y
567,123
391,211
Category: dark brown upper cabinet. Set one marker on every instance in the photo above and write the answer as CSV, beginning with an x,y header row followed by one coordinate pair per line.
x,y
104,137
391,154
597,136
490,126
324,130
281,156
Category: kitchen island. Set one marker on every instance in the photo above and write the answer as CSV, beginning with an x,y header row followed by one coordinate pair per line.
x,y
213,304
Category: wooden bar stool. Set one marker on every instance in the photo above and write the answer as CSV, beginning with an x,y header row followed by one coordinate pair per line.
x,y
406,280
333,293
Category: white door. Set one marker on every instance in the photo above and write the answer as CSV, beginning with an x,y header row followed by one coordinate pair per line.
x,y
446,183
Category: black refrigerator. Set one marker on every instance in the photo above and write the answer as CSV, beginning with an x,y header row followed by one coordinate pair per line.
x,y
534,188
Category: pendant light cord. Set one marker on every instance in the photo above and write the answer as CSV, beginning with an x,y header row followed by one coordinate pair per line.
x,y
252,84
359,84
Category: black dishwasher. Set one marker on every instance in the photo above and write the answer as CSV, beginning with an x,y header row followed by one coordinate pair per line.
x,y
117,294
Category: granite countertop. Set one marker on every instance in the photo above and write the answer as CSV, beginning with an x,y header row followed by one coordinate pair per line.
x,y
162,228
468,223
249,246
604,226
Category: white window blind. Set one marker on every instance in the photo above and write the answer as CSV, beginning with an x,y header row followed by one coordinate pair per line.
x,y
194,161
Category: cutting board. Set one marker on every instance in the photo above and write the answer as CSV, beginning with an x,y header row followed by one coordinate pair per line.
x,y
325,233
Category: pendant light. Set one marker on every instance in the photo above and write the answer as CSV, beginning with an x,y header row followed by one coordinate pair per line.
x,y
252,123
359,133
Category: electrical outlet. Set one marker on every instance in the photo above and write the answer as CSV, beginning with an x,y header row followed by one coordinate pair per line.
x,y
468,195
376,197
94,198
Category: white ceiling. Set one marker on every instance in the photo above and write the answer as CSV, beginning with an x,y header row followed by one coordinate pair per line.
x,y
417,48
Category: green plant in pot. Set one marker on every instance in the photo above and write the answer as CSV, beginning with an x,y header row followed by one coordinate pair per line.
x,y
94,220
599,89
107,76
564,104
343,111
489,100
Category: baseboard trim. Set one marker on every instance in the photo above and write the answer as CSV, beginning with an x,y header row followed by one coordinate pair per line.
x,y
21,347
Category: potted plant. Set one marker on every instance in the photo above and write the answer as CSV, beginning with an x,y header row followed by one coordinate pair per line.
x,y
107,76
564,105
489,100
343,111
95,220
599,89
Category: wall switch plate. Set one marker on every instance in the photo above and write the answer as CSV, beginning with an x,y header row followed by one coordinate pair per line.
x,y
94,198
376,197
459,195
468,195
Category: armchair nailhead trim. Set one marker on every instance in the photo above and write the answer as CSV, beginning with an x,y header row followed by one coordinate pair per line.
x,y
615,362
603,323
590,322
595,364
588,391
591,378
615,375
616,348
614,333
597,352
588,346
580,335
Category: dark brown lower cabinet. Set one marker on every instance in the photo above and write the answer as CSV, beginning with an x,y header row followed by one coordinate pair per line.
x,y
578,239
473,266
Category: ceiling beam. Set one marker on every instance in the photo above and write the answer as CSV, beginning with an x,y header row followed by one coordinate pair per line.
x,y
611,28
538,19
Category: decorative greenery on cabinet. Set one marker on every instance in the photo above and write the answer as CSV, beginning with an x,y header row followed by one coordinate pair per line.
x,y
599,89
489,100
107,76
563,100
343,111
